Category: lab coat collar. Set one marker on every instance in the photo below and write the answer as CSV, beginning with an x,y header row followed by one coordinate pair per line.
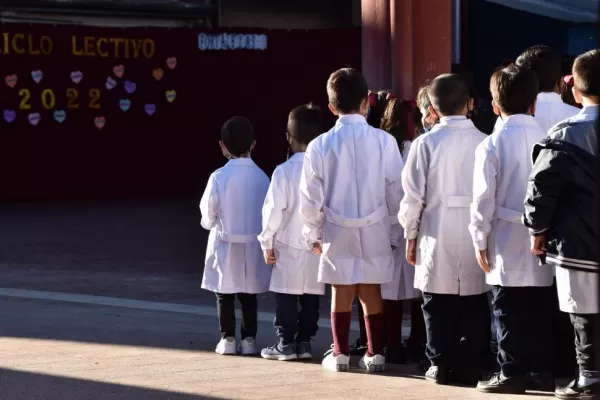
x,y
520,119
455,121
590,110
351,119
549,97
240,162
297,157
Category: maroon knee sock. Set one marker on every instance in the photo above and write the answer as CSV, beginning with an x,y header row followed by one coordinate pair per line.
x,y
392,316
340,328
361,326
374,324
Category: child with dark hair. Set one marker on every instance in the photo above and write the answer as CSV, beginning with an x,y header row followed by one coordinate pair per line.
x,y
561,201
350,192
397,121
521,288
434,212
230,209
377,103
547,66
295,267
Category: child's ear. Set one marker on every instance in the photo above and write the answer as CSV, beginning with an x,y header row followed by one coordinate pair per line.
x,y
577,95
332,109
433,113
364,107
252,145
470,103
222,146
495,108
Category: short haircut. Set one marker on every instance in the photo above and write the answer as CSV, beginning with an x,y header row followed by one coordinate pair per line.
x,y
544,63
347,89
448,94
305,123
423,98
237,134
586,73
514,89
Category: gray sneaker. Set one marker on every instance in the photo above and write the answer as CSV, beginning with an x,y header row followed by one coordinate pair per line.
x,y
280,352
304,351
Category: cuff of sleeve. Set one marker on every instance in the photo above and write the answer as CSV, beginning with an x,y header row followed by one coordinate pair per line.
x,y
410,235
480,244
537,232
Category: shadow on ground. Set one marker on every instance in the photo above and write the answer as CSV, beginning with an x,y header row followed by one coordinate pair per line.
x,y
16,385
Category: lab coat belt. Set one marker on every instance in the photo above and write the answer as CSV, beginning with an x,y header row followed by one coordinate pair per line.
x,y
457,201
371,219
232,238
509,215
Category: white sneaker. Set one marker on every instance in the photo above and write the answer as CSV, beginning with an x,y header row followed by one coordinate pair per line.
x,y
372,364
248,346
340,363
226,346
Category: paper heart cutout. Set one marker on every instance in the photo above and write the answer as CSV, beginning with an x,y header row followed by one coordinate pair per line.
x,y
76,76
34,118
11,80
60,116
119,70
110,83
171,62
150,109
170,95
158,74
130,87
99,122
9,116
37,76
125,104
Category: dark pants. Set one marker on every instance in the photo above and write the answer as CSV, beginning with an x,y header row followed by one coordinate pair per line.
x,y
563,357
296,325
524,329
226,312
455,325
586,326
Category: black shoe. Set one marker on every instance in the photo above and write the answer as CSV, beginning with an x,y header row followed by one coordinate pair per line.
x,y
437,375
465,376
395,355
574,391
415,353
542,382
500,384
358,349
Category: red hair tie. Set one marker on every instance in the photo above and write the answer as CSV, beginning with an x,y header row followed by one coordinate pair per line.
x,y
569,80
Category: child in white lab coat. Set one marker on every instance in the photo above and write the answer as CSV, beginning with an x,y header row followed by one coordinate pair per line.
x,y
437,183
231,210
295,267
397,120
349,188
521,287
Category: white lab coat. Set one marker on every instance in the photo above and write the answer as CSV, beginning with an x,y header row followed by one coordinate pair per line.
x,y
549,111
578,291
438,189
402,286
296,267
231,209
502,168
349,196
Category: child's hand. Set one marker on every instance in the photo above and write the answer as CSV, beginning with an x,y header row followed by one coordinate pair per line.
x,y
538,244
411,251
269,256
317,249
482,260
